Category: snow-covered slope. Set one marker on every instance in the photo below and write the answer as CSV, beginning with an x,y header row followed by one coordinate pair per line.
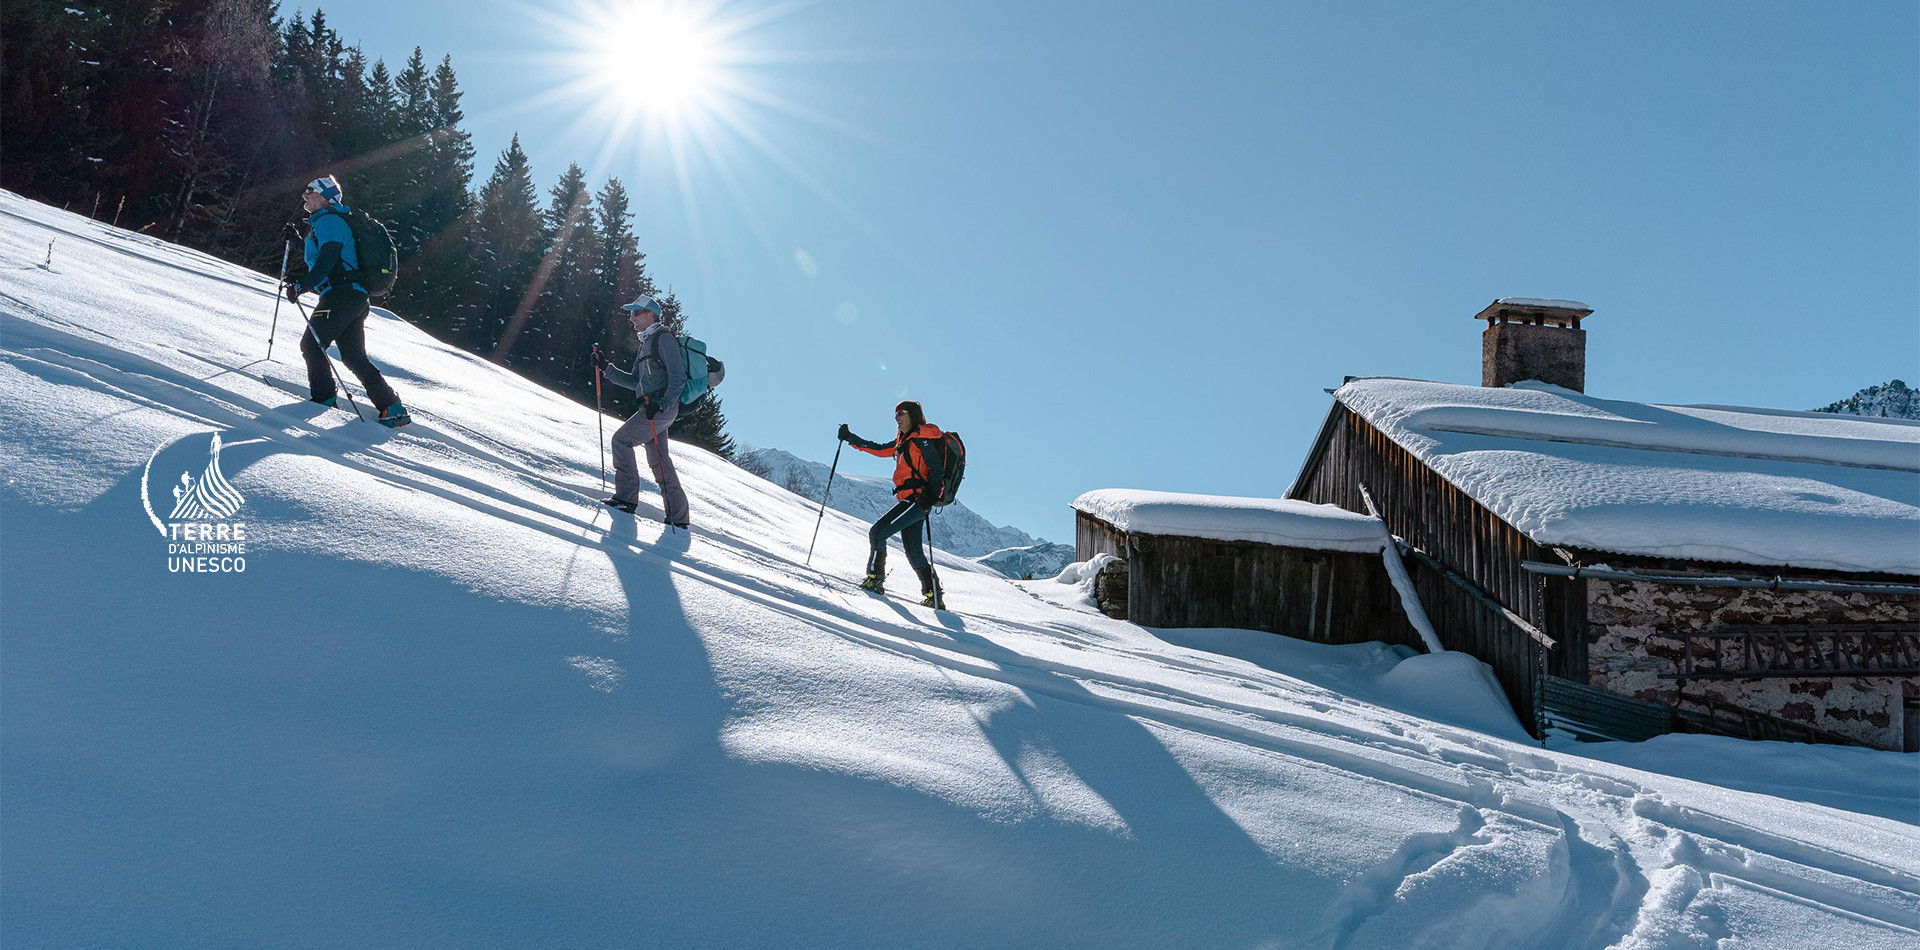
x,y
452,702
957,528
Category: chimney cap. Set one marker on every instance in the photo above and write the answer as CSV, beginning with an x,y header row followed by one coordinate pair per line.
x,y
1535,310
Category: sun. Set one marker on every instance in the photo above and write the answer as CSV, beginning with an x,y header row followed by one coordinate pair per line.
x,y
638,63
656,57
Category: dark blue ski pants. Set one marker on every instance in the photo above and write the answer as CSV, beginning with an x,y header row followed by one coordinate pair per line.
x,y
906,520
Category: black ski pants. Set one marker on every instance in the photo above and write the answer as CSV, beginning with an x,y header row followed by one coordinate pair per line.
x,y
906,520
341,317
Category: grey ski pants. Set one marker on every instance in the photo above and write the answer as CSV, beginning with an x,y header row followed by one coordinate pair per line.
x,y
650,434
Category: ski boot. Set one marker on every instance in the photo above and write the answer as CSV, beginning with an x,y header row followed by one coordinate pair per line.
x,y
331,402
626,506
875,583
394,416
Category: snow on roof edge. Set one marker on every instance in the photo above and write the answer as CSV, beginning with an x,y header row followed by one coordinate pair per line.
x,y
1278,521
1544,302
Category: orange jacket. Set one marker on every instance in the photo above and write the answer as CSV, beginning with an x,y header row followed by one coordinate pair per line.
x,y
911,473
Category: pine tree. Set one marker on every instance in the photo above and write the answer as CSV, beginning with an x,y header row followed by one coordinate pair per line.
x,y
51,65
412,159
505,243
623,268
442,210
447,196
382,114
219,65
551,329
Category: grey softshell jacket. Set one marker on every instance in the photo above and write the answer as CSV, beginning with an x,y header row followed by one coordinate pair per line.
x,y
659,370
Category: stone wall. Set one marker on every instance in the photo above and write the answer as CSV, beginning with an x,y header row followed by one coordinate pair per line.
x,y
1516,352
1632,650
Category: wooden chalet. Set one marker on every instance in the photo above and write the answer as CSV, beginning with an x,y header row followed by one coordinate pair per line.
x,y
1815,637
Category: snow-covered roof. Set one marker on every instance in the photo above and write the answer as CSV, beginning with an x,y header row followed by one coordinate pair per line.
x,y
1543,302
1288,522
1713,483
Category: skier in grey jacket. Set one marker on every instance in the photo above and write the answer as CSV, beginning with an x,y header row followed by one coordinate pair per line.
x,y
659,375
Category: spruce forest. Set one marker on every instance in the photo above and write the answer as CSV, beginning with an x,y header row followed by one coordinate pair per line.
x,y
199,121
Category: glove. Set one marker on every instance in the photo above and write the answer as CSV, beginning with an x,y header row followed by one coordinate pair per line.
x,y
599,362
291,232
294,290
846,434
649,407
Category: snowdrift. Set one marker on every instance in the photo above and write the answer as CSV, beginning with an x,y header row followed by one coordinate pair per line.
x,y
450,701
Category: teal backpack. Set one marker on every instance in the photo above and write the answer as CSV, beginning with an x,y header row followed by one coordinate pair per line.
x,y
703,372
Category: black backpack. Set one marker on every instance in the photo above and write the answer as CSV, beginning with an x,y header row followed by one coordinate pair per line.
x,y
953,464
373,245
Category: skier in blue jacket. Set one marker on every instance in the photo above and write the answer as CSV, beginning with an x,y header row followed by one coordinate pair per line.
x,y
341,315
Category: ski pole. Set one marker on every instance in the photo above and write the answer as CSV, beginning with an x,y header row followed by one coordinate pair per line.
x,y
600,415
837,446
337,378
286,251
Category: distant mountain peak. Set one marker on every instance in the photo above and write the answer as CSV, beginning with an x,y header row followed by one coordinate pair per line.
x,y
1893,399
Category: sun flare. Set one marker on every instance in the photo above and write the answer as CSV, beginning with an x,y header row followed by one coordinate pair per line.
x,y
680,95
655,57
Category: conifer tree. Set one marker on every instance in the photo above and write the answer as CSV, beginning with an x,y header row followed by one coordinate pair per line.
x,y
414,101
447,194
50,69
552,328
441,211
218,64
623,268
383,103
505,243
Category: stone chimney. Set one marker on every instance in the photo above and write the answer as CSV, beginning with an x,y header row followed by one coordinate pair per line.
x,y
1529,338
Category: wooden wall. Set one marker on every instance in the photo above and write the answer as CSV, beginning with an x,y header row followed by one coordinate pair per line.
x,y
1092,536
1440,519
1326,596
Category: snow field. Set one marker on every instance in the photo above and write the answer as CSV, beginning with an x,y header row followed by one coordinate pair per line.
x,y
453,701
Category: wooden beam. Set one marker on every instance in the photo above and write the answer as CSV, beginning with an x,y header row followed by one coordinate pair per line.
x,y
1476,593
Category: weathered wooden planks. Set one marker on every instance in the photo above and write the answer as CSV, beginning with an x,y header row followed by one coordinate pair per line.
x,y
1330,597
1435,516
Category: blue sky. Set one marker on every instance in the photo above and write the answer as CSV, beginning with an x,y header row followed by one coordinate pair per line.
x,y
1129,244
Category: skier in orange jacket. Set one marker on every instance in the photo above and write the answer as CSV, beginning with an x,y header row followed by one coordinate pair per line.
x,y
916,481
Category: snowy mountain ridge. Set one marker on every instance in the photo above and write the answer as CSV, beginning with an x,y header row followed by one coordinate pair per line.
x,y
956,527
450,700
1893,399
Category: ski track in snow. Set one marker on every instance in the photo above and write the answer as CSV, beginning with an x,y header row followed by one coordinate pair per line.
x,y
1527,848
